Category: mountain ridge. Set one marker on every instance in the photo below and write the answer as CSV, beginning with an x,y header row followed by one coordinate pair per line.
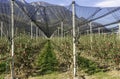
x,y
42,3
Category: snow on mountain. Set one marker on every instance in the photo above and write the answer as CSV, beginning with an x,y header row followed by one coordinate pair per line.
x,y
22,1
41,3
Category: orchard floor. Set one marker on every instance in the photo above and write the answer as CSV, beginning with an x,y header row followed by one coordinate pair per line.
x,y
101,75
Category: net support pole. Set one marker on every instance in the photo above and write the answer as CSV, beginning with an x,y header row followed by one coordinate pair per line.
x,y
12,38
31,30
62,29
7,33
119,32
91,34
1,30
74,44
58,34
36,32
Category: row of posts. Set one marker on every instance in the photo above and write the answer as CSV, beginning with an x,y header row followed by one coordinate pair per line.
x,y
38,32
62,32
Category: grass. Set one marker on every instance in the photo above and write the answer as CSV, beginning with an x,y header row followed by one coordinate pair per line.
x,y
106,75
55,75
99,75
88,66
1,76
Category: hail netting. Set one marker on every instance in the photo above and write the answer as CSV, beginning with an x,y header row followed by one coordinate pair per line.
x,y
99,18
48,17
20,18
5,15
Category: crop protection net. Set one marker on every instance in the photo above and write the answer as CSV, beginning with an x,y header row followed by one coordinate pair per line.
x,y
49,17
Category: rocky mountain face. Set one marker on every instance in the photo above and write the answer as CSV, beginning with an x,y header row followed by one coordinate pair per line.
x,y
41,3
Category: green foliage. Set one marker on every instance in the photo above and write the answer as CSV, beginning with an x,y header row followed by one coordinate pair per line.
x,y
47,59
4,54
63,50
2,77
2,67
26,51
105,48
47,56
87,65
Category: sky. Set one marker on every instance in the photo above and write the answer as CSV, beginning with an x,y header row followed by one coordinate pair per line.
x,y
93,3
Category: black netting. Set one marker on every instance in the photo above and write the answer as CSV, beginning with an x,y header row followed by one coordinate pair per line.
x,y
48,17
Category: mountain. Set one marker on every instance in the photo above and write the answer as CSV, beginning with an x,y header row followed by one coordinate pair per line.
x,y
114,29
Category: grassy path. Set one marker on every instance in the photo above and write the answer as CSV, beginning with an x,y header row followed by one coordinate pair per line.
x,y
100,75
